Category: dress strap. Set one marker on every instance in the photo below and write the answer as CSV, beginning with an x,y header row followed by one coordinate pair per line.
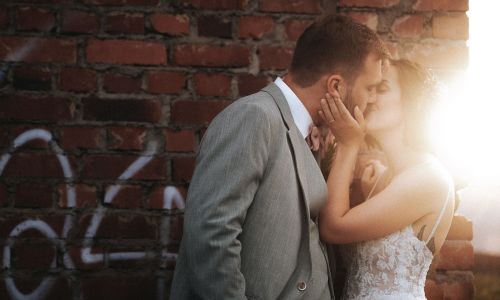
x,y
373,187
441,213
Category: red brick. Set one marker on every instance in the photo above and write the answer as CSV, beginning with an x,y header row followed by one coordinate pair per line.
x,y
459,290
33,195
81,137
32,256
75,253
32,78
290,6
122,226
442,5
166,82
295,28
408,26
440,55
101,166
249,84
77,80
156,199
34,165
179,140
120,22
461,229
456,289
86,196
275,57
365,18
216,4
433,291
214,26
455,255
122,2
129,196
255,27
126,138
212,84
196,112
34,19
76,21
175,25
4,17
133,110
34,49
368,3
122,83
182,168
49,109
212,56
455,27
126,52
119,287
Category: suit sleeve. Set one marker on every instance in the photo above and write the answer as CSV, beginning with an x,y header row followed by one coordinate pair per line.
x,y
231,162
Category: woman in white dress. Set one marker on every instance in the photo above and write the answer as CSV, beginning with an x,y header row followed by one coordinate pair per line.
x,y
392,236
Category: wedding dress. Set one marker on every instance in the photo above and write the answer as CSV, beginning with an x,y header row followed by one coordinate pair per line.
x,y
393,267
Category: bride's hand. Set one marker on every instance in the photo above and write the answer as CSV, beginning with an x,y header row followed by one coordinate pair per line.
x,y
371,176
348,131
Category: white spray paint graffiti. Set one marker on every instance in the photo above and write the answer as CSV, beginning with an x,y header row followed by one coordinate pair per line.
x,y
170,196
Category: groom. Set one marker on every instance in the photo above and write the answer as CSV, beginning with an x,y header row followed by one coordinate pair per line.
x,y
250,229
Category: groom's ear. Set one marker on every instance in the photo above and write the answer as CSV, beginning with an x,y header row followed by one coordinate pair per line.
x,y
336,83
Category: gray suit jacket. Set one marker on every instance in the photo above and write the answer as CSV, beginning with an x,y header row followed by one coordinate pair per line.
x,y
248,232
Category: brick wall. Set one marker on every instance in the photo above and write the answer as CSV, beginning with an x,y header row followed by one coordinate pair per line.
x,y
102,106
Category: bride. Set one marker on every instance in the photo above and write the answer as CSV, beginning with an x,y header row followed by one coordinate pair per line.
x,y
392,236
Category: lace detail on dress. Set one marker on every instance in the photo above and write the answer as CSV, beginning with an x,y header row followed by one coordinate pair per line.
x,y
392,267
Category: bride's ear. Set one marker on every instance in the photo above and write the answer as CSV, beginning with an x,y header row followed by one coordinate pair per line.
x,y
336,83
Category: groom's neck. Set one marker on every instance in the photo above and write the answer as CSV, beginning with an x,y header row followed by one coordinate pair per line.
x,y
309,96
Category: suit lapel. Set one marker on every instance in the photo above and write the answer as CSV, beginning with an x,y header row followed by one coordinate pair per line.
x,y
294,137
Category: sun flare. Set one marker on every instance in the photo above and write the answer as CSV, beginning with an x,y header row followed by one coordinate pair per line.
x,y
466,124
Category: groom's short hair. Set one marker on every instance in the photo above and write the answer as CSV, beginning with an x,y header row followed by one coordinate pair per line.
x,y
334,43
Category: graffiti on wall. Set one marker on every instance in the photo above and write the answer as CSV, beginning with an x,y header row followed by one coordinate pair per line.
x,y
171,198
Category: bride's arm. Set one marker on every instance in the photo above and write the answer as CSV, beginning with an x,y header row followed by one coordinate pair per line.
x,y
407,198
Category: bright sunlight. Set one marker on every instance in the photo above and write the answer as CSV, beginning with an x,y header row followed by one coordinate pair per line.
x,y
467,128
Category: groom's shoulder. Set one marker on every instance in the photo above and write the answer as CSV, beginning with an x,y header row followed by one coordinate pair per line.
x,y
259,103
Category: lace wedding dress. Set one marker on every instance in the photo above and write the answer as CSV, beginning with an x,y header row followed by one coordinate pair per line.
x,y
391,267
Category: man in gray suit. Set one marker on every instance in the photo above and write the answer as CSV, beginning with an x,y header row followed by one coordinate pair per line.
x,y
250,229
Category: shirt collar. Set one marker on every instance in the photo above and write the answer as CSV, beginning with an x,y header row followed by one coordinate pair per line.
x,y
301,116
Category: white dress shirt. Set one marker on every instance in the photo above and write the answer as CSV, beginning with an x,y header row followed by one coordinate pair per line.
x,y
300,115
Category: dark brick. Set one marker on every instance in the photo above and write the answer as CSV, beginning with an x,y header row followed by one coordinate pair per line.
x,y
122,83
32,78
33,195
75,21
196,112
134,110
119,22
215,26
50,109
114,287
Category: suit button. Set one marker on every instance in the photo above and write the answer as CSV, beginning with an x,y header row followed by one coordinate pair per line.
x,y
302,286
